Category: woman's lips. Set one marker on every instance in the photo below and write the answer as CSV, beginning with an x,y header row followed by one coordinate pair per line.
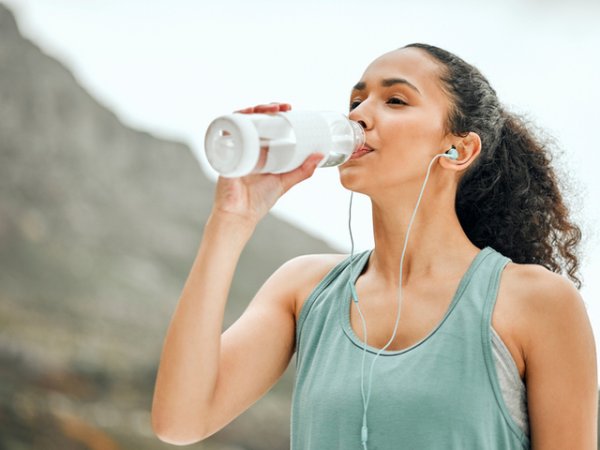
x,y
361,152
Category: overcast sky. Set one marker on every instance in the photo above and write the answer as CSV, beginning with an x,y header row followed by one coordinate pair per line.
x,y
170,67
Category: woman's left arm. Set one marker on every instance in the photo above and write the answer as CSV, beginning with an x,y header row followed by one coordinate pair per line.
x,y
561,366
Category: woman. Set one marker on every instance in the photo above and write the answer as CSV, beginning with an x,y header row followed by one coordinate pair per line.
x,y
494,349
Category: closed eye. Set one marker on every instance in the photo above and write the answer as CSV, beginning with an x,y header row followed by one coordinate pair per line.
x,y
396,101
391,101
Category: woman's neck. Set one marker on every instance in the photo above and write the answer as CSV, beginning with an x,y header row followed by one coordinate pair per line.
x,y
436,238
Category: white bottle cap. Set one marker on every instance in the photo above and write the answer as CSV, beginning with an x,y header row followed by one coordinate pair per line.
x,y
232,145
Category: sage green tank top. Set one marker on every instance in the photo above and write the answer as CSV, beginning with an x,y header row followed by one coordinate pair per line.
x,y
440,393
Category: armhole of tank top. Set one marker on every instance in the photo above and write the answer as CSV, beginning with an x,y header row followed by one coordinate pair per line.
x,y
310,300
486,336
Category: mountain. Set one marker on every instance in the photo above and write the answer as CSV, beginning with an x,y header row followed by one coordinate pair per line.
x,y
99,226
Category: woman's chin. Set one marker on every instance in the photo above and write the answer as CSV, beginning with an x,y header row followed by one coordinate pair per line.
x,y
350,178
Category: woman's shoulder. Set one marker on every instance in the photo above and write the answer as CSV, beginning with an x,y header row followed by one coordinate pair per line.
x,y
536,286
306,271
540,299
531,301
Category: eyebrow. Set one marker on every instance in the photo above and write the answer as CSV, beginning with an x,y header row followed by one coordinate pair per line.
x,y
387,82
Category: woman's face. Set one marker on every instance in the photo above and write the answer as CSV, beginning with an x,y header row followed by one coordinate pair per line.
x,y
400,102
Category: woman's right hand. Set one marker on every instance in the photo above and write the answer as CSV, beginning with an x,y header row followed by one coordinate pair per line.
x,y
251,197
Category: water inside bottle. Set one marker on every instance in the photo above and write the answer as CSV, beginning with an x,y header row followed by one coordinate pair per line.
x,y
334,159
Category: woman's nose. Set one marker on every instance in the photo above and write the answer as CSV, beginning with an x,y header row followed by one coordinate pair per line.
x,y
360,115
362,124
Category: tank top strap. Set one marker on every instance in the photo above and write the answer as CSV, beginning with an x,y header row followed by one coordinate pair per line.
x,y
337,279
471,310
495,266
479,286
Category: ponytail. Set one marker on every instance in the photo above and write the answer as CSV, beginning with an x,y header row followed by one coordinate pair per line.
x,y
511,201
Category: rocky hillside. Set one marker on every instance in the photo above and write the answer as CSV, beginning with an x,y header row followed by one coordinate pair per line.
x,y
99,225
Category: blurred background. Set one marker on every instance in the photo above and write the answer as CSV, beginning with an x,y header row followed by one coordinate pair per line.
x,y
104,189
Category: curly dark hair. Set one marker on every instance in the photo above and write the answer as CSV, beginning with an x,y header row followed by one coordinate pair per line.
x,y
509,198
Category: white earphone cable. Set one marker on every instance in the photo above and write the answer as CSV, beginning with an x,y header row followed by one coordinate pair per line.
x,y
364,324
367,397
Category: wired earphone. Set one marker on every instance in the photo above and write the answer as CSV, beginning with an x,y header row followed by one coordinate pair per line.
x,y
452,154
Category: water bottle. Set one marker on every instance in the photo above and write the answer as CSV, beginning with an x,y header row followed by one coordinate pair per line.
x,y
240,144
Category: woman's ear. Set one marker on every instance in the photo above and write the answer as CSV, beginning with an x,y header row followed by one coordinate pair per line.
x,y
468,149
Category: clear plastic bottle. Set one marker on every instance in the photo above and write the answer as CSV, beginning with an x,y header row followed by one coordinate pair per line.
x,y
240,144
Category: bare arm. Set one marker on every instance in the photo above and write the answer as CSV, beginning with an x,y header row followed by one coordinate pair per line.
x,y
562,381
204,380
207,379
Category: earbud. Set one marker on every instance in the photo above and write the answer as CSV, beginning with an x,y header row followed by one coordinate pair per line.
x,y
452,153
